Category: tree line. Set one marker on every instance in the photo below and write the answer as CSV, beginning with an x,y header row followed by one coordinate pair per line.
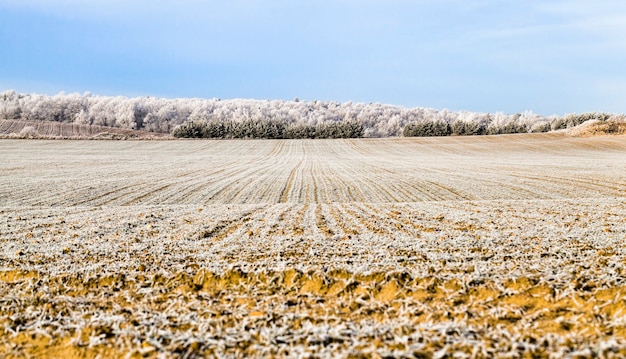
x,y
270,129
246,118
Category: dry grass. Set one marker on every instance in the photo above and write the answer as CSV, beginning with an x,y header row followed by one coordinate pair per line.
x,y
600,128
504,246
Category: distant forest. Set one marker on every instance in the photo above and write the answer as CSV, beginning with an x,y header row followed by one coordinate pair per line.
x,y
244,118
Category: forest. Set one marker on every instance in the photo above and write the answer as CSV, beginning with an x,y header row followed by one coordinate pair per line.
x,y
250,118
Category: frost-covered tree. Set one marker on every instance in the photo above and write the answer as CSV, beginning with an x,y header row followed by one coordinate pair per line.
x,y
9,106
245,118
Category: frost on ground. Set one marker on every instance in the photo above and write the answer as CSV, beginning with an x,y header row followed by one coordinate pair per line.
x,y
503,246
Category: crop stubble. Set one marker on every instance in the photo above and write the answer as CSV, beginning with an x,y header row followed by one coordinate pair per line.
x,y
481,246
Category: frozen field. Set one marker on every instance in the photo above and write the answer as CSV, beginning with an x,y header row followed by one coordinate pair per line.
x,y
431,247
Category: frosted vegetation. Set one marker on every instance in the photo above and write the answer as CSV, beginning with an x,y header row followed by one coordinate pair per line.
x,y
461,247
243,118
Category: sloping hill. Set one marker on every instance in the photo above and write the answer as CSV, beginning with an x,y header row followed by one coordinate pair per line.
x,y
61,130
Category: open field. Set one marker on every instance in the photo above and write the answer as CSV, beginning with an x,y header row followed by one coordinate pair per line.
x,y
505,246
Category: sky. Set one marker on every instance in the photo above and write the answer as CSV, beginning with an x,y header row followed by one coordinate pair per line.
x,y
546,56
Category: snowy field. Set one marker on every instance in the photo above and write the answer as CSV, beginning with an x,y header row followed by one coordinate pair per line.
x,y
457,247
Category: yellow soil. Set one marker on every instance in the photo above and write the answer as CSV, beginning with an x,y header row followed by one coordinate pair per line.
x,y
527,306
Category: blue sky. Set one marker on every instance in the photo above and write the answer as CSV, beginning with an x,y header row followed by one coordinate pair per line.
x,y
550,57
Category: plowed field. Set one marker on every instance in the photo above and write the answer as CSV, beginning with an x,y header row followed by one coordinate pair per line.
x,y
460,247
64,130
